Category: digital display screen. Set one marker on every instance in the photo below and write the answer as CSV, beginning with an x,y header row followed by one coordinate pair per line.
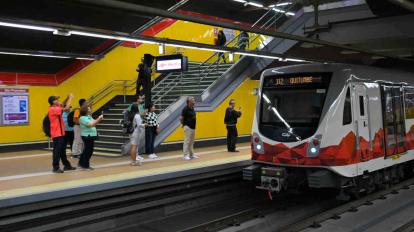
x,y
166,65
296,80
171,63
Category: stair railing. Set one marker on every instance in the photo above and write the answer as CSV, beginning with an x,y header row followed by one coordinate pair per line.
x,y
213,62
269,23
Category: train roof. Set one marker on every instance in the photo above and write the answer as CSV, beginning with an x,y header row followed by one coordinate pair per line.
x,y
342,72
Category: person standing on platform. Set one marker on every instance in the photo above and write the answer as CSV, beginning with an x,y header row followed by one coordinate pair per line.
x,y
140,103
57,132
230,119
69,136
89,135
188,121
77,142
136,136
152,128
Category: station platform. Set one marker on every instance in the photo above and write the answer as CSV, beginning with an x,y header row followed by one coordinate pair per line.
x,y
26,177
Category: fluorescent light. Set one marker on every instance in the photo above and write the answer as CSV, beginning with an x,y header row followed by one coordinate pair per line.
x,y
266,99
255,4
25,26
257,55
161,49
283,11
38,55
270,6
231,57
295,60
103,36
194,47
242,1
283,4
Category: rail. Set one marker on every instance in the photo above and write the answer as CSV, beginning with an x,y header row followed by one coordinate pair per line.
x,y
213,62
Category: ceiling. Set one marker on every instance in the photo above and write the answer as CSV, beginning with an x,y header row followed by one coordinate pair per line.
x,y
73,13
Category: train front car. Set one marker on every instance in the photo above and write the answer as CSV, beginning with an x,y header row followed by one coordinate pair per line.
x,y
321,126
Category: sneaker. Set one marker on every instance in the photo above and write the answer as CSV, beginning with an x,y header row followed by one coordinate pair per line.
x,y
139,158
194,156
187,157
134,163
69,168
90,168
81,168
75,156
58,171
153,156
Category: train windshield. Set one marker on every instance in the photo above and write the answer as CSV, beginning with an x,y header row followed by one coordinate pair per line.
x,y
291,106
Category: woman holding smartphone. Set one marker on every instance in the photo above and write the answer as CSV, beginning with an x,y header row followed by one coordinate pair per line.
x,y
89,135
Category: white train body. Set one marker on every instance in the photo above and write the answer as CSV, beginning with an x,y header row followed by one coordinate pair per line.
x,y
328,125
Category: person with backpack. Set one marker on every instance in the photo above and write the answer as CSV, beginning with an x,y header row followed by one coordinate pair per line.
x,y
243,40
136,136
89,135
73,119
69,135
152,129
57,132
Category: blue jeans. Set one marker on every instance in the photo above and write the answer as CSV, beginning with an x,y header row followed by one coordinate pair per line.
x,y
150,134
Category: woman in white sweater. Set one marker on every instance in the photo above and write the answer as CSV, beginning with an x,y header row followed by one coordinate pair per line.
x,y
136,135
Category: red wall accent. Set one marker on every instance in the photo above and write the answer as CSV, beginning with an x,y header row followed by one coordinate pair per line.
x,y
11,78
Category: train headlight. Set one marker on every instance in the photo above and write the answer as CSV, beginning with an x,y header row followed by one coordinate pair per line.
x,y
257,144
314,146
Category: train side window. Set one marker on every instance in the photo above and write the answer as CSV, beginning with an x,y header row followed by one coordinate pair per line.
x,y
347,115
409,103
361,106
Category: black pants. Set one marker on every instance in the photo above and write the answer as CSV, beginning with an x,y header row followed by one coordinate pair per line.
x,y
69,137
150,134
85,157
59,153
231,138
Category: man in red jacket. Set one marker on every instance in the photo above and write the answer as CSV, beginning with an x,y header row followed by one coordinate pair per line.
x,y
57,132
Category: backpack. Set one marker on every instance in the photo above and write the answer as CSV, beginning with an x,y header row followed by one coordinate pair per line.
x,y
71,123
127,122
46,125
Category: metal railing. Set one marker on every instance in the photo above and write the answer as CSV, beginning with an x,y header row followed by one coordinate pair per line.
x,y
213,63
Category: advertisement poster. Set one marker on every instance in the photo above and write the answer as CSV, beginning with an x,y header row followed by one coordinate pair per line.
x,y
14,106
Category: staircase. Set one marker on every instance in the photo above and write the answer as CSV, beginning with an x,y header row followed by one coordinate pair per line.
x,y
210,82
166,92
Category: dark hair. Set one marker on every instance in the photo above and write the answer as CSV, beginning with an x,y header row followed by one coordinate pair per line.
x,y
149,106
81,101
134,109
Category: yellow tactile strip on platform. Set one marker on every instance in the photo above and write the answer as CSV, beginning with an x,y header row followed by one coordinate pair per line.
x,y
185,165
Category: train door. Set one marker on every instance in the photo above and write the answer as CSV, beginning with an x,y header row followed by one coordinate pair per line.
x,y
362,122
393,119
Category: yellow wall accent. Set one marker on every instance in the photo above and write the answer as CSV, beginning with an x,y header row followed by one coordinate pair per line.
x,y
120,64
211,124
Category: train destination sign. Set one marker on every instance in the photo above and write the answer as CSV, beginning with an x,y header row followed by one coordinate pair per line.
x,y
293,80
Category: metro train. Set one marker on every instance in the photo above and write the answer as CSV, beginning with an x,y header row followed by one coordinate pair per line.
x,y
340,126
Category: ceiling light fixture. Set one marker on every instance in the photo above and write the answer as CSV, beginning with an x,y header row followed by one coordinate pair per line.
x,y
283,11
45,55
258,55
25,26
284,4
242,1
255,4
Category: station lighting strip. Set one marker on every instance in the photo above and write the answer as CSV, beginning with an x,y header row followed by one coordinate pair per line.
x,y
164,42
273,6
